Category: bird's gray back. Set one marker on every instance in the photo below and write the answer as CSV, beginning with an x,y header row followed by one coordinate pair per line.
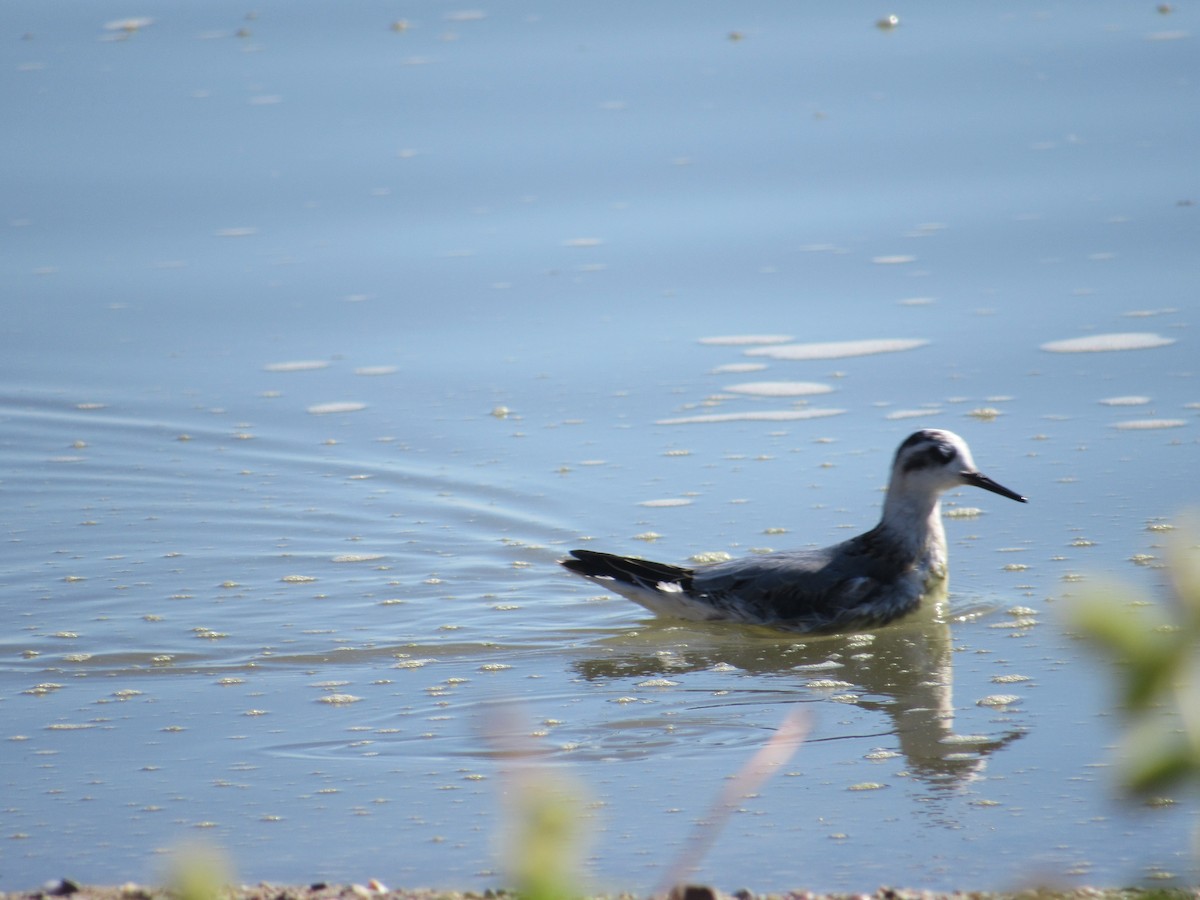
x,y
811,588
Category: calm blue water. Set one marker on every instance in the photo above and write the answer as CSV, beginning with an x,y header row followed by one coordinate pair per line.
x,y
325,338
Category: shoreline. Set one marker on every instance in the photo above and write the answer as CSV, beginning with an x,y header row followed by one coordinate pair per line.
x,y
375,891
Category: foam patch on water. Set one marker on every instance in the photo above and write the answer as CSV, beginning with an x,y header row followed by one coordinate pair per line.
x,y
1125,401
1102,343
737,340
298,365
839,349
760,415
780,388
898,414
738,368
1148,424
345,406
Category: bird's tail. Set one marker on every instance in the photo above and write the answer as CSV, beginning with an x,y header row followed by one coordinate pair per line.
x,y
640,573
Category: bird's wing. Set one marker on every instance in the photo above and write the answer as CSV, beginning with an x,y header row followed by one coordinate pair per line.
x,y
808,588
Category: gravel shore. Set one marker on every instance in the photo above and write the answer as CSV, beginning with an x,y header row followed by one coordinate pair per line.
x,y
376,891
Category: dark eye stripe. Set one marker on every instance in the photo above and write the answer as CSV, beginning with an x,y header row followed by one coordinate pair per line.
x,y
938,453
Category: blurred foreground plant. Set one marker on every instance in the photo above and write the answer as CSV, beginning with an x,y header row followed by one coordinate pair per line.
x,y
546,830
199,873
547,838
743,783
1158,648
544,833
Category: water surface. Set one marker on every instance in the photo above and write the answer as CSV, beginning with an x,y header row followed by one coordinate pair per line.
x,y
330,329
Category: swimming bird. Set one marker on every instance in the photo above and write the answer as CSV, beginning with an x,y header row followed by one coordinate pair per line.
x,y
863,582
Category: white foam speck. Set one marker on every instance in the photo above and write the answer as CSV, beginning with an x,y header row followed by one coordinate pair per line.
x,y
737,340
345,406
299,365
838,349
1148,424
1147,313
898,414
762,415
998,700
1099,343
134,23
780,388
1179,35
738,368
665,502
1125,401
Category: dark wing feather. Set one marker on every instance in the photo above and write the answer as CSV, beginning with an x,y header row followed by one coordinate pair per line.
x,y
643,572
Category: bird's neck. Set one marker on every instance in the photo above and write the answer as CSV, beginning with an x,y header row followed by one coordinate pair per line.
x,y
915,523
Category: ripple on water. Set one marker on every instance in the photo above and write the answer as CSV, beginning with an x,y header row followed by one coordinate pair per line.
x,y
1101,343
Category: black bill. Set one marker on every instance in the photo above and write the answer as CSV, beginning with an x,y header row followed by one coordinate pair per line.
x,y
980,480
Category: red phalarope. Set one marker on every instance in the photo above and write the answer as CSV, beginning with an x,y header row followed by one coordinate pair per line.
x,y
866,581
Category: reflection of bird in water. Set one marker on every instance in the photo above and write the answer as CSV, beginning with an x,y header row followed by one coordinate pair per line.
x,y
866,581
904,671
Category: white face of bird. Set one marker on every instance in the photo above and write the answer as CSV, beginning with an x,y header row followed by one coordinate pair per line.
x,y
933,461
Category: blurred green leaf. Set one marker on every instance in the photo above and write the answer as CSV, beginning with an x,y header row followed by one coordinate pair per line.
x,y
199,873
1150,652
1157,649
1151,674
1111,622
1184,559
545,850
1158,761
